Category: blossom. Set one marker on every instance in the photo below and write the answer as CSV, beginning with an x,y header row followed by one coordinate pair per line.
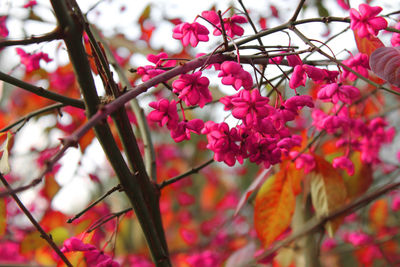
x,y
3,26
345,163
230,24
359,63
305,161
147,72
191,33
158,60
193,89
365,22
250,105
93,256
31,61
298,77
334,92
30,3
184,128
343,4
233,74
165,113
395,40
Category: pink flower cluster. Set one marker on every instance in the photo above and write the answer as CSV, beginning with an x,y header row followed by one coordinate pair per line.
x,y
230,24
160,63
31,61
93,256
193,33
262,137
366,137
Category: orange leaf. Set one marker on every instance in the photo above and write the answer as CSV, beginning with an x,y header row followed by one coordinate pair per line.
x,y
328,192
274,207
3,216
51,187
378,213
367,46
86,140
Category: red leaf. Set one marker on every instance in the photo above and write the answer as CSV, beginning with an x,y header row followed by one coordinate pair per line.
x,y
385,62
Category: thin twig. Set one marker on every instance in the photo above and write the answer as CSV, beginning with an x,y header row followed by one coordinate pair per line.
x,y
29,215
27,117
109,192
186,174
108,218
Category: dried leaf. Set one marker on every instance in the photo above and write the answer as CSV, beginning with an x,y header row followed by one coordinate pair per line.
x,y
4,164
328,192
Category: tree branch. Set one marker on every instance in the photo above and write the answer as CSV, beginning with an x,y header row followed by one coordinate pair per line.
x,y
41,91
42,232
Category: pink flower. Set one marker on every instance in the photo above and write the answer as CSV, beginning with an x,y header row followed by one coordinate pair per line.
x,y
190,33
359,63
358,238
305,161
395,40
233,74
184,128
207,258
165,113
334,92
30,3
223,142
345,163
147,72
3,26
93,256
365,22
298,77
31,61
396,203
250,105
230,24
193,89
344,4
294,60
289,109
158,60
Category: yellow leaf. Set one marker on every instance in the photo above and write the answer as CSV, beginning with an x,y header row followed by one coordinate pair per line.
x,y
274,207
3,216
328,192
